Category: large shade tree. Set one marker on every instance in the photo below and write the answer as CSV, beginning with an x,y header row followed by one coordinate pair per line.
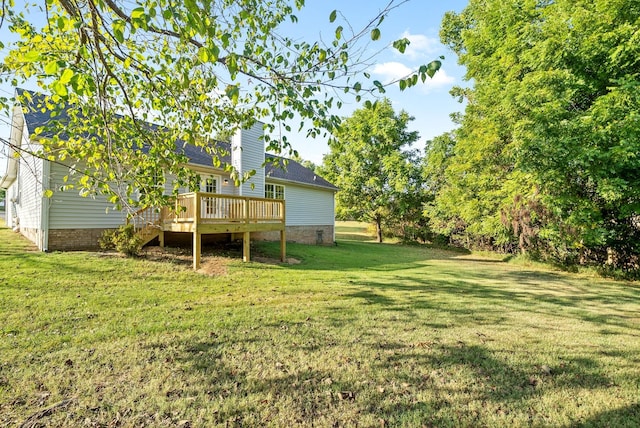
x,y
372,163
547,155
198,68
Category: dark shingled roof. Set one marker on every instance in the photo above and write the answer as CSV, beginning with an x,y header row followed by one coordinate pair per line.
x,y
293,171
34,117
277,167
199,156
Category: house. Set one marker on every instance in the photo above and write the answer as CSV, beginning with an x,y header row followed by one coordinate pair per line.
x,y
277,201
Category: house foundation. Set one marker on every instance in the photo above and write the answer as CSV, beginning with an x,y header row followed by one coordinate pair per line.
x,y
310,235
75,239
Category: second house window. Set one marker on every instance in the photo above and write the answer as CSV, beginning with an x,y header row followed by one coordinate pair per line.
x,y
273,191
209,184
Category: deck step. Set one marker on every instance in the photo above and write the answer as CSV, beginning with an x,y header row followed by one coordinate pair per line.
x,y
148,234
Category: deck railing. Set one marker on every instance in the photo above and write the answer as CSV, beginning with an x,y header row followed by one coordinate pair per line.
x,y
145,217
215,208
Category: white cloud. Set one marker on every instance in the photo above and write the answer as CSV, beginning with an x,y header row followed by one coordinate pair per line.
x,y
441,78
420,45
391,71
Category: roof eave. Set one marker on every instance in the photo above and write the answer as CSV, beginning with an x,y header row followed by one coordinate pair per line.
x,y
300,183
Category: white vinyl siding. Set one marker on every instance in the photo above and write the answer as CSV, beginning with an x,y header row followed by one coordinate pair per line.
x,y
228,188
247,154
69,210
27,189
306,206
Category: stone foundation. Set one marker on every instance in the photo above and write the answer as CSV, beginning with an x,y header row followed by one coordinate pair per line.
x,y
74,239
312,235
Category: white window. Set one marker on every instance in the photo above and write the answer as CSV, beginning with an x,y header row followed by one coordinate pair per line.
x,y
156,182
273,191
209,184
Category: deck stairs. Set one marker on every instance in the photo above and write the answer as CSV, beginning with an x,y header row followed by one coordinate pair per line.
x,y
147,224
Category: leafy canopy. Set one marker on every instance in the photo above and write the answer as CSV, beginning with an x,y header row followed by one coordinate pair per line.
x,y
197,68
372,164
548,145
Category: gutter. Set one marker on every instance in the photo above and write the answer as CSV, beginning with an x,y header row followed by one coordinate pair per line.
x,y
10,176
17,125
300,183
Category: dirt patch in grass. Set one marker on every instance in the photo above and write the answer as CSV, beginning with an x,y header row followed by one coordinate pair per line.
x,y
214,266
167,254
212,262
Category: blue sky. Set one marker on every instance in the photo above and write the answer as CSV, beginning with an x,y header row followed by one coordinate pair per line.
x,y
418,20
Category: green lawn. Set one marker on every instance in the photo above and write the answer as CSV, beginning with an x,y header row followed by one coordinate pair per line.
x,y
360,334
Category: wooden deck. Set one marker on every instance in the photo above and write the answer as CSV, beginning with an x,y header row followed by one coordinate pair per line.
x,y
210,213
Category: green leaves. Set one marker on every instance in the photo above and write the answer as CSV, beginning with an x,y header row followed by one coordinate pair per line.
x,y
137,13
31,56
66,76
539,162
233,92
193,69
401,44
51,67
423,72
204,54
118,27
431,69
370,165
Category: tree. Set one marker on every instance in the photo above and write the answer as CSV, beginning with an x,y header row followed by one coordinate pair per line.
x,y
548,144
197,68
371,163
304,162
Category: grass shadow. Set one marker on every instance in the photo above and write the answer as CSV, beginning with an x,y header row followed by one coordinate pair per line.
x,y
625,417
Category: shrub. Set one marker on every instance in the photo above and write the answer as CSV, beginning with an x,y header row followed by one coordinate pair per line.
x,y
124,240
106,240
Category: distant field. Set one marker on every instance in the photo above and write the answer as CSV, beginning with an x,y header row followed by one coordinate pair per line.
x,y
358,334
354,230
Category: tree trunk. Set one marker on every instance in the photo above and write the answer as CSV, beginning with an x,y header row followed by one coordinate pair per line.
x,y
379,228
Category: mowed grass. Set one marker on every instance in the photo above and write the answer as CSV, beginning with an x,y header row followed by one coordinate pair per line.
x,y
358,334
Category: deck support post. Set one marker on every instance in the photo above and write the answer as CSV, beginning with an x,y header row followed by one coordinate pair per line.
x,y
197,249
283,246
161,238
246,246
197,236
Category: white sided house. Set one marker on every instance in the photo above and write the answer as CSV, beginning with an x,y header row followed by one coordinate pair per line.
x,y
279,200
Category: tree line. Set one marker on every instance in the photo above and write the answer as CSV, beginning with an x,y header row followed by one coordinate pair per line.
x,y
546,157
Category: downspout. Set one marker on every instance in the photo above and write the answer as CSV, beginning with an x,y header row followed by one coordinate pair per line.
x,y
46,202
11,172
334,217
